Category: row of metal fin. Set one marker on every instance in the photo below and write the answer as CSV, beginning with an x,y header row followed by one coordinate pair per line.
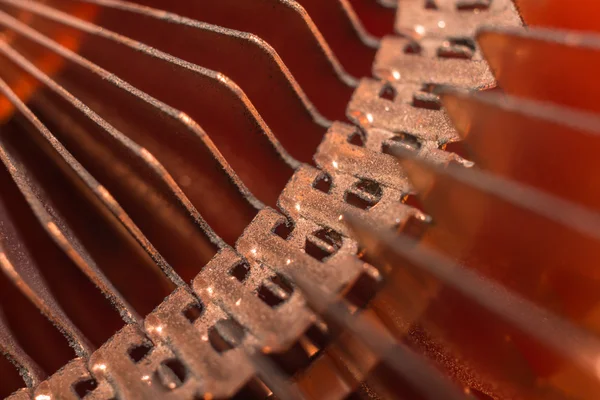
x,y
294,256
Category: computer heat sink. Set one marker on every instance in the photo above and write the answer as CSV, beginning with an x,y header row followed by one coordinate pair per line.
x,y
310,199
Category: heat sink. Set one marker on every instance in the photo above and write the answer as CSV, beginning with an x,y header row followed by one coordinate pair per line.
x,y
310,199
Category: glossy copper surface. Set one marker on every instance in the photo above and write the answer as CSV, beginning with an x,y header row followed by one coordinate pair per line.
x,y
311,199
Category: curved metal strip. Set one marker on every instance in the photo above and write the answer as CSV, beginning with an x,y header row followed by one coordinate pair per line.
x,y
344,33
27,337
206,96
216,187
15,361
128,172
20,267
243,57
377,16
75,216
51,182
42,199
99,191
280,23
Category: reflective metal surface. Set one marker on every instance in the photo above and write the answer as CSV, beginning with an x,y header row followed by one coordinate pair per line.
x,y
277,199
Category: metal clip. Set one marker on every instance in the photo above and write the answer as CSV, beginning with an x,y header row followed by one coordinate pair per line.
x,y
73,382
408,112
452,18
185,326
403,60
130,362
334,266
23,394
303,197
348,150
237,287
